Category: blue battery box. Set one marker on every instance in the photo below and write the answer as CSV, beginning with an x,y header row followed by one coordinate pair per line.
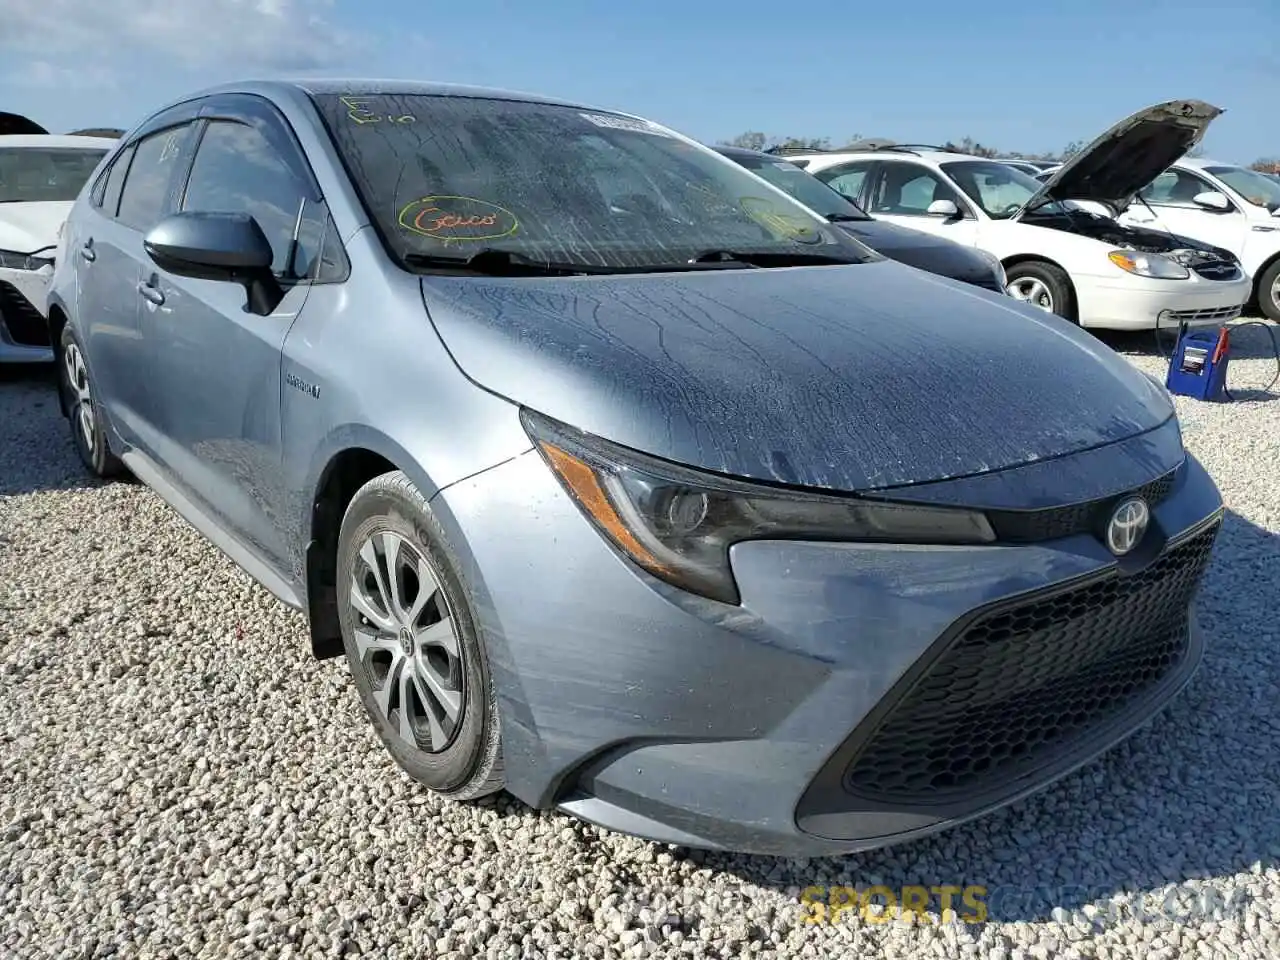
x,y
1198,367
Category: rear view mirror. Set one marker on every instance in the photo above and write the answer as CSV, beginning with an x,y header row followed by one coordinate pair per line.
x,y
943,208
218,246
1212,200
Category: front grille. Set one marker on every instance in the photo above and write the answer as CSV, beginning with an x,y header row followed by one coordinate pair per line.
x,y
1021,682
1207,315
1217,270
1034,526
26,324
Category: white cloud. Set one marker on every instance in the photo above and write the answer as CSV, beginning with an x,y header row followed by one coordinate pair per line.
x,y
278,35
43,74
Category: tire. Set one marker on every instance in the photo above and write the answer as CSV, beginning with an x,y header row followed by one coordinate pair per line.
x,y
1268,292
1043,285
84,412
460,756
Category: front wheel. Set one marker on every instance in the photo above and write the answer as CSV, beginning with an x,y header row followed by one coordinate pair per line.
x,y
84,410
1042,285
411,642
1269,292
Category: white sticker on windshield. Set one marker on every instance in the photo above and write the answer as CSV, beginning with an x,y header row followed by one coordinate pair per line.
x,y
623,123
785,165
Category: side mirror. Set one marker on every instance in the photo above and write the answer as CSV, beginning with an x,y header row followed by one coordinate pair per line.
x,y
943,208
1212,200
218,246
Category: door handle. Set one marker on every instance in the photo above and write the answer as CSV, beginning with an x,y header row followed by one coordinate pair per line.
x,y
87,251
153,294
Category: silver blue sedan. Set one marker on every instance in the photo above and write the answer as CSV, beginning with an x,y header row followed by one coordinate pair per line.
x,y
621,480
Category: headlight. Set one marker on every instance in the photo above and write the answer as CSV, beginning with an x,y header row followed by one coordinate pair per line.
x,y
1148,265
678,524
10,260
997,268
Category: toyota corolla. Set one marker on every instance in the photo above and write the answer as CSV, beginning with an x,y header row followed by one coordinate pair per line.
x,y
622,481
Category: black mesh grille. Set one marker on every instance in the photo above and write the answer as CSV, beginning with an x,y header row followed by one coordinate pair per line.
x,y
1021,682
26,325
1033,526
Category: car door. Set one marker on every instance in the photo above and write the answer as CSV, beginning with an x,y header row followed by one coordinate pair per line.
x,y
130,197
216,367
1170,206
901,192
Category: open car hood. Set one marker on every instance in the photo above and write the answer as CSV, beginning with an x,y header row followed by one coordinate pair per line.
x,y
1129,156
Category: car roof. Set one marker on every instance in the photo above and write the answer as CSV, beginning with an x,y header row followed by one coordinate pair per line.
x,y
932,156
62,141
747,154
1200,163
364,86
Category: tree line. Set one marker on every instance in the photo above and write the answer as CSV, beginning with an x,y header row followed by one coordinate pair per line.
x,y
756,140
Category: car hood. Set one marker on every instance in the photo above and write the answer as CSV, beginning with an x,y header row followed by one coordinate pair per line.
x,y
919,249
843,378
28,227
1130,155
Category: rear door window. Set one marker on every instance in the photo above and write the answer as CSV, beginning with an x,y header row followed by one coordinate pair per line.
x,y
108,196
847,178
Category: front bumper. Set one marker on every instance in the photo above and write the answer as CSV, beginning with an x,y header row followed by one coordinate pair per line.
x,y
24,330
1134,303
643,709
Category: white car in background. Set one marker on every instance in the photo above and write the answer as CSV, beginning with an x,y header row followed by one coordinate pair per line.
x,y
1223,204
1026,166
40,177
1059,254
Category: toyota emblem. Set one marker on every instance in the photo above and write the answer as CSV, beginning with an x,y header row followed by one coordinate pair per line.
x,y
1127,526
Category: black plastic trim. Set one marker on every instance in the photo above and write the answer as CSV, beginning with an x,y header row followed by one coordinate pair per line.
x,y
827,796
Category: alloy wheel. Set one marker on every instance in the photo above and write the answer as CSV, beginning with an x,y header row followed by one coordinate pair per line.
x,y
78,381
1275,293
1032,291
407,641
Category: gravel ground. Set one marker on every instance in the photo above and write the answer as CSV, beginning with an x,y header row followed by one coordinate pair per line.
x,y
179,779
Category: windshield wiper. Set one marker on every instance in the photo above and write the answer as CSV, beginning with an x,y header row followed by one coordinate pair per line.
x,y
769,258
846,218
503,263
506,263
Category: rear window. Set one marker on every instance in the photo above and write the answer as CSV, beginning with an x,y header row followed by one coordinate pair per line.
x,y
43,174
804,186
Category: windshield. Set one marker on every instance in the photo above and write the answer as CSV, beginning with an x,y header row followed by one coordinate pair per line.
x,y
449,176
36,174
1257,188
805,187
1000,190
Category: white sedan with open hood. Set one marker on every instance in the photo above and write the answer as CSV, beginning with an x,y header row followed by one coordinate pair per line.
x,y
1058,251
40,177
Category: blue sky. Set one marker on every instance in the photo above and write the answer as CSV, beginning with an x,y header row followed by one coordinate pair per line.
x,y
1030,75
